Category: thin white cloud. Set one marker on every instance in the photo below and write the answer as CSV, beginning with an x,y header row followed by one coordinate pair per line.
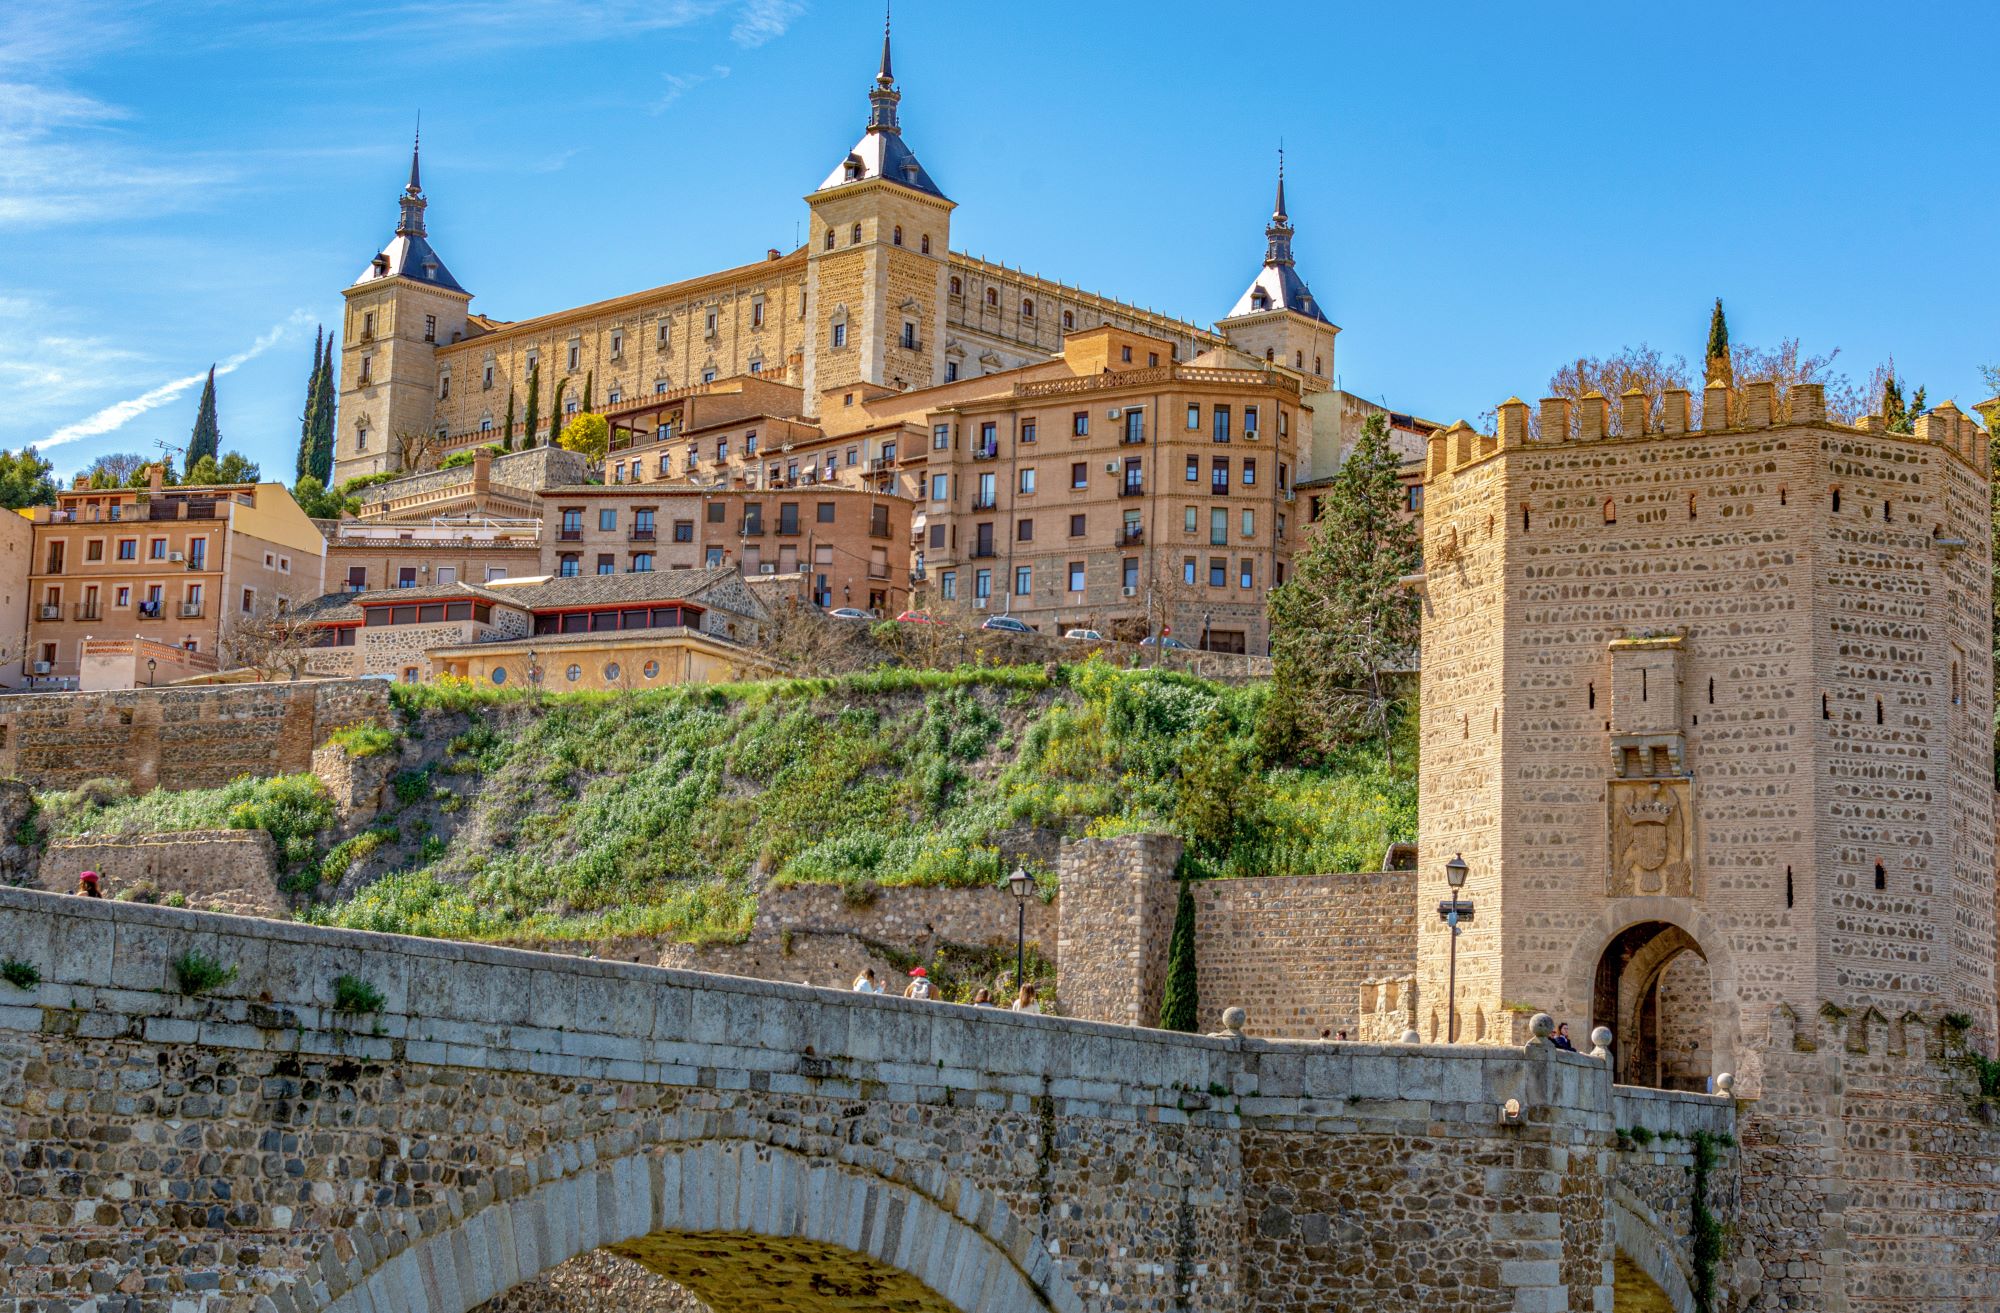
x,y
679,84
759,21
495,24
120,413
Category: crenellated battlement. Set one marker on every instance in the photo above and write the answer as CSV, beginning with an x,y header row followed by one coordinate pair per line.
x,y
1636,415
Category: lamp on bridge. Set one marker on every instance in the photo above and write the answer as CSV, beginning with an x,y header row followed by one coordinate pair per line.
x,y
1022,884
152,664
1454,911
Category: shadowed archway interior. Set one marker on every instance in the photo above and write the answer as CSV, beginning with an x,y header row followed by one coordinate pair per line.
x,y
1652,989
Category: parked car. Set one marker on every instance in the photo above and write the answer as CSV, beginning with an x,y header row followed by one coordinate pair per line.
x,y
916,618
1008,623
1084,635
849,613
1167,641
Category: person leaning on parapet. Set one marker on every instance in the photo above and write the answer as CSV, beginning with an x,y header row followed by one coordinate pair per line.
x,y
920,985
86,886
865,983
983,999
1561,1038
1023,1001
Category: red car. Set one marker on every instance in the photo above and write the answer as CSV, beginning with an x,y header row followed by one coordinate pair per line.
x,y
916,618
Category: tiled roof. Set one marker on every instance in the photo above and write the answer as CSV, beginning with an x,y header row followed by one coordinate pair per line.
x,y
634,586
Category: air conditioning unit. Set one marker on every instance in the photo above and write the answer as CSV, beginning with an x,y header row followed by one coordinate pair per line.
x,y
1131,592
979,602
1115,413
1249,435
765,567
177,556
1111,467
42,667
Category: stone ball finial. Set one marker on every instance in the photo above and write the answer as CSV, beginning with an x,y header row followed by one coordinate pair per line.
x,y
1411,1037
1600,1040
1725,1083
1233,1019
1541,1026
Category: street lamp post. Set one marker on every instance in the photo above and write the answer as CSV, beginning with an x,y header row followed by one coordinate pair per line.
x,y
1454,911
151,664
1022,884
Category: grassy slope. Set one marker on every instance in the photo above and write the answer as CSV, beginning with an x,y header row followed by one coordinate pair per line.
x,y
648,813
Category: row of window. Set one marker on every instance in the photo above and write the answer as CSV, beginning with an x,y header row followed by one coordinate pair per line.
x,y
1128,574
573,672
1026,479
1134,427
195,555
406,576
151,603
895,237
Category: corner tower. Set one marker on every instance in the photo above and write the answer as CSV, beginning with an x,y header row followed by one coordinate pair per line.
x,y
877,259
1277,318
401,307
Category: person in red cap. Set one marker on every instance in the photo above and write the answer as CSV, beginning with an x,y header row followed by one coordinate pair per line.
x,y
86,885
920,984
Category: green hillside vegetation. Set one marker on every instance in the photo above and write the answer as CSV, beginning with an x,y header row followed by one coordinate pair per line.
x,y
589,815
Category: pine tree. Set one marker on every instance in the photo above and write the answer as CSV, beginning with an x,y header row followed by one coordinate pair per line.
x,y
534,407
207,436
1717,355
1179,1002
1343,624
322,467
507,431
1892,402
309,418
555,412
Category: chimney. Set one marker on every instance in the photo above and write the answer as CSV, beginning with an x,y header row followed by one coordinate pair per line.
x,y
482,470
82,482
156,476
770,253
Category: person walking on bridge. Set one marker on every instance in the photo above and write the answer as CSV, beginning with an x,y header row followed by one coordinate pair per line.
x,y
920,984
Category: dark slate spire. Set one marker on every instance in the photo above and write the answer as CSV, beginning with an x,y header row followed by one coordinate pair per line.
x,y
1278,236
411,221
409,253
881,152
1278,285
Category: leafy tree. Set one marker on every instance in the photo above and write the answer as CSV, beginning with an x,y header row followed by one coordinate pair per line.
x,y
235,467
507,429
1220,795
555,412
309,417
534,407
315,500
1898,415
1716,356
1343,626
202,473
588,433
207,436
143,476
114,468
24,480
460,459
1180,1002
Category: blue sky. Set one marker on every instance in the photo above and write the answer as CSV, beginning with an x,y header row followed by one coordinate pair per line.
x,y
1481,191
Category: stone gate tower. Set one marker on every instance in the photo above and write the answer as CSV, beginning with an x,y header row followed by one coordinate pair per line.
x,y
1708,712
877,261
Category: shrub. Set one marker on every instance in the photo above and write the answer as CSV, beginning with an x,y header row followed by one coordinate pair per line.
x,y
19,974
291,808
1179,1006
412,785
353,994
198,973
363,740
174,899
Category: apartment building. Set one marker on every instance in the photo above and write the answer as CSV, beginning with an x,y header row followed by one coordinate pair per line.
x,y
172,565
853,544
1127,493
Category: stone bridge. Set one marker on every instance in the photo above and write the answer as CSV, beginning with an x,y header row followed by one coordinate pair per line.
x,y
769,1147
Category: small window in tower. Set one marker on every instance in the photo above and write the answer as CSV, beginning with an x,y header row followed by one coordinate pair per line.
x,y
430,328
1690,506
1881,876
898,236
1027,308
1610,511
1885,510
1069,319
854,235
957,287
1592,695
1711,690
1825,707
992,296
1781,494
1524,515
1836,501
924,243
829,239
1298,360
1317,368
1878,711
1788,886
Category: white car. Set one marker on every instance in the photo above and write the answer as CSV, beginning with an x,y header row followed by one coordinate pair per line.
x,y
1084,635
849,613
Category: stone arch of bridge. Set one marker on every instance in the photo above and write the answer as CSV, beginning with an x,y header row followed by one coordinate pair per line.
x,y
744,1226
1667,928
1647,1277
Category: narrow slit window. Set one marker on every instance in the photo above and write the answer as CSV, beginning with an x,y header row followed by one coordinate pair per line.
x,y
1593,696
1524,517
1825,707
1878,711
1610,511
1690,506
1788,886
1836,501
1881,876
1711,690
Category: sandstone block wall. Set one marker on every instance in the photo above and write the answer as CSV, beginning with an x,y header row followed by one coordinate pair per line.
x,y
1115,919
215,870
179,738
1293,951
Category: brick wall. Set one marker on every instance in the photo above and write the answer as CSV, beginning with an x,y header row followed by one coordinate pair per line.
x,y
179,738
1293,951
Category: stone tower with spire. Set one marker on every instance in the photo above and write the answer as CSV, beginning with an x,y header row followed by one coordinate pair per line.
x,y
400,310
1277,318
877,262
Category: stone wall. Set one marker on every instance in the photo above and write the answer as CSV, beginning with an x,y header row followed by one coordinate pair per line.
x,y
505,1112
214,870
179,738
1116,916
1293,951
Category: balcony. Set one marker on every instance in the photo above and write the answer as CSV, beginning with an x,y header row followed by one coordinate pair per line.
x,y
1219,489
1132,488
751,528
1131,439
986,453
985,503
52,610
643,535
190,610
150,610
984,552
569,535
1131,535
788,528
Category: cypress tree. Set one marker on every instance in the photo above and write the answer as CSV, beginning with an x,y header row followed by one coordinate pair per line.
x,y
309,418
534,407
1179,1003
589,386
1717,355
507,430
206,436
323,417
555,412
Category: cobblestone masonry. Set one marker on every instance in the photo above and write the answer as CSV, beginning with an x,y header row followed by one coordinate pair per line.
x,y
767,1146
179,738
1115,917
215,870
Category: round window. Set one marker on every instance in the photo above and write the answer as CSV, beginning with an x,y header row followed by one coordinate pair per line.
x,y
611,672
652,670
575,673
499,674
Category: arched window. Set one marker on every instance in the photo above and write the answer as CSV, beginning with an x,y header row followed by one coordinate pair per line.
x,y
1270,355
1298,360
829,239
1610,511
992,297
1027,308
1690,506
925,244
898,238
1316,366
854,235
957,287
1069,319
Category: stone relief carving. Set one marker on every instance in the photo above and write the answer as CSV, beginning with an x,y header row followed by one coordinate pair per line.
x,y
1652,838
